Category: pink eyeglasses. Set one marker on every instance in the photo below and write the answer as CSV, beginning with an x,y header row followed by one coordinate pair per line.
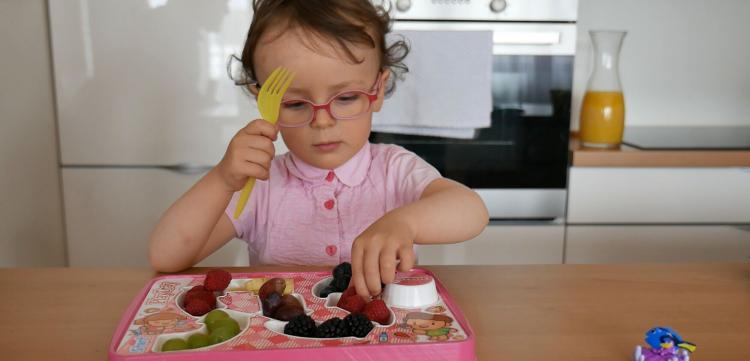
x,y
347,105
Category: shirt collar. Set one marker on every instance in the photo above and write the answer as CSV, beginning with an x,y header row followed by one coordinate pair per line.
x,y
351,173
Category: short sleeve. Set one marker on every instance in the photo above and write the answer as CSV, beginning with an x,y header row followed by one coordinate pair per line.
x,y
407,175
247,223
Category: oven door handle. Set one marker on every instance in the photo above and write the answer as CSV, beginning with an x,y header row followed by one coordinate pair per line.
x,y
526,38
508,38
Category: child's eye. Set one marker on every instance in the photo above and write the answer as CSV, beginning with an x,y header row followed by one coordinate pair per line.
x,y
294,105
347,97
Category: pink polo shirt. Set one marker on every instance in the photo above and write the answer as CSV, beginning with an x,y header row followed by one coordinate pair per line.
x,y
304,215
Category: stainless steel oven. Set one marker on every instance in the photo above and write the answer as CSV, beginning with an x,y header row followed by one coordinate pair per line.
x,y
519,164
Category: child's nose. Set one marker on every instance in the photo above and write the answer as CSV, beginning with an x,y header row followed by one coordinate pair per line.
x,y
322,119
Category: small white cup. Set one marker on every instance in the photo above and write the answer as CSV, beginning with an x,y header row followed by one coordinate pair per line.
x,y
411,289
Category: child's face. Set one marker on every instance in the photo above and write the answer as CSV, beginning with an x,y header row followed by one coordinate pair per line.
x,y
425,324
321,71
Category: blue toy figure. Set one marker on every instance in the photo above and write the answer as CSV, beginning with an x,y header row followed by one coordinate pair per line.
x,y
666,345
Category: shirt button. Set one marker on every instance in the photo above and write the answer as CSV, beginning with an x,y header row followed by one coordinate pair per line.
x,y
331,250
330,176
328,204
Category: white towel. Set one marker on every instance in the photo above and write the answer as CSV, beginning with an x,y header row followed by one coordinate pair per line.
x,y
448,89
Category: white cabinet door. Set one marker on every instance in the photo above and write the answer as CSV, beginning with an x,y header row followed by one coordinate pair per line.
x,y
624,244
501,244
145,82
659,195
110,214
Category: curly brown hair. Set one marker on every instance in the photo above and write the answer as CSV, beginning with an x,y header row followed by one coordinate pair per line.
x,y
343,22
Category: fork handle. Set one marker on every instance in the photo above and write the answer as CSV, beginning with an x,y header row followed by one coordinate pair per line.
x,y
244,196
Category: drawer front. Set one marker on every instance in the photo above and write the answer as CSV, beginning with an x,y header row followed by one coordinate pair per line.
x,y
664,195
501,244
632,244
110,214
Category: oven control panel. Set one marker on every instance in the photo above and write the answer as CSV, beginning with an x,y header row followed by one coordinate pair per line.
x,y
486,10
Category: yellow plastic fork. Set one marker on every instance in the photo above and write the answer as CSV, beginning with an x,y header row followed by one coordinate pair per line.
x,y
269,102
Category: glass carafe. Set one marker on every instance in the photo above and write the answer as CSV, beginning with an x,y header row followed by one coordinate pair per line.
x,y
603,108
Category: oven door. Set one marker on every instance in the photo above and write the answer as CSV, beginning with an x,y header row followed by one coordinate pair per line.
x,y
518,165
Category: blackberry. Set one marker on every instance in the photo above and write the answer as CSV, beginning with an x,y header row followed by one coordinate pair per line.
x,y
343,270
302,325
339,284
332,328
358,324
327,291
342,274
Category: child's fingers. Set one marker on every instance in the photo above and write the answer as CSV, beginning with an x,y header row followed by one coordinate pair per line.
x,y
407,258
259,142
260,158
262,127
372,269
261,154
358,277
388,265
254,170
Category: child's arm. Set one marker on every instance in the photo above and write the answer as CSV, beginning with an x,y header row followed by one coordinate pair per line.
x,y
195,225
447,212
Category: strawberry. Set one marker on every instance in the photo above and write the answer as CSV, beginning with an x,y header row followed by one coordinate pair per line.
x,y
354,303
377,311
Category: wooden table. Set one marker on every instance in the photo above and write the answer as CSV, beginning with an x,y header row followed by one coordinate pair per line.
x,y
551,312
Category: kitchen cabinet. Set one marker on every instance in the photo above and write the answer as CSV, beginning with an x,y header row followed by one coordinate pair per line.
x,y
661,214
502,243
603,195
649,243
111,212
31,218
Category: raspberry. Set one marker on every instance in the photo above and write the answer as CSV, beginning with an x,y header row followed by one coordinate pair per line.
x,y
333,328
354,303
351,291
201,293
358,324
377,311
302,325
217,280
198,307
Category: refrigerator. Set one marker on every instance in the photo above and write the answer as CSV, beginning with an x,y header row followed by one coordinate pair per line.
x,y
145,106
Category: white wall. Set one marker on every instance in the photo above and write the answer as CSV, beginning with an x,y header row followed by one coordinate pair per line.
x,y
31,224
682,63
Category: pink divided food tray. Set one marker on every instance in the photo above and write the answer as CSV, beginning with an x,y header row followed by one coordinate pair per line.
x,y
435,332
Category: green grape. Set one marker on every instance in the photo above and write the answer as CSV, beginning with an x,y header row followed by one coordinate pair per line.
x,y
198,340
224,323
174,344
214,316
222,334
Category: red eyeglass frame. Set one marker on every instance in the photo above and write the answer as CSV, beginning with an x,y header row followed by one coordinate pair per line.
x,y
371,96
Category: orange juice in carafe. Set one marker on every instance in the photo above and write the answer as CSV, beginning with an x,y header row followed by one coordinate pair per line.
x,y
602,118
603,107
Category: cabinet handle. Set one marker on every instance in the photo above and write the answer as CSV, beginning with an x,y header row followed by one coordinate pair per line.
x,y
187,168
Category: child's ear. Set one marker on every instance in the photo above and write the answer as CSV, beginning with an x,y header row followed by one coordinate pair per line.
x,y
254,89
384,75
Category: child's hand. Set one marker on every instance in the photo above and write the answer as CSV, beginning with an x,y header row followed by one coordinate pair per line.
x,y
249,154
378,250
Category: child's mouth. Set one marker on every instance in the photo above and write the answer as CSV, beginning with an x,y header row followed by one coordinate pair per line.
x,y
327,147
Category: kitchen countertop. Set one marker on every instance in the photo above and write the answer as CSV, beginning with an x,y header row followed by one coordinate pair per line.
x,y
528,312
627,156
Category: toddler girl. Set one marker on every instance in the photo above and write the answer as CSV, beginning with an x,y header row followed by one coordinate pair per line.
x,y
333,197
